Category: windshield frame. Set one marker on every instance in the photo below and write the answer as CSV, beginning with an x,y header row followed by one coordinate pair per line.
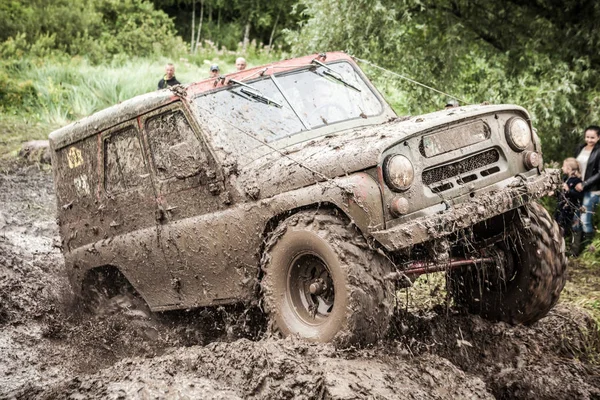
x,y
385,114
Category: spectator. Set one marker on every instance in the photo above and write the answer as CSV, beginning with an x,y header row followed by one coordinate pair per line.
x,y
240,63
214,71
169,78
588,156
569,199
451,103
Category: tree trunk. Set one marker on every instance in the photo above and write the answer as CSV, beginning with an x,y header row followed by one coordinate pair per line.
x,y
192,47
273,31
246,36
199,25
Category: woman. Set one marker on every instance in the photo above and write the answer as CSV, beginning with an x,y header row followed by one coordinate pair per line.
x,y
588,156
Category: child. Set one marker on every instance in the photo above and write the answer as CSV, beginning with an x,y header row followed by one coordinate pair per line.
x,y
569,199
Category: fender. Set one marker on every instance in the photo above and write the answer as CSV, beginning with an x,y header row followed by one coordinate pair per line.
x,y
357,195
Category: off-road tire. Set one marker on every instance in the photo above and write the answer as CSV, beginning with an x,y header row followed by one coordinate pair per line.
x,y
538,254
363,301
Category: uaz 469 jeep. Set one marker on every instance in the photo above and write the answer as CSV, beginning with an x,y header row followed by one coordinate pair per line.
x,y
296,186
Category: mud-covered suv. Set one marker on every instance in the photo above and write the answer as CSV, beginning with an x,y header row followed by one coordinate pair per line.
x,y
296,187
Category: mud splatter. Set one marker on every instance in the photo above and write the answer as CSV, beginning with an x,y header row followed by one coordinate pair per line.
x,y
52,348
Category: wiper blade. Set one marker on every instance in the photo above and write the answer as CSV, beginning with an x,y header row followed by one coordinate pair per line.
x,y
334,74
260,97
255,94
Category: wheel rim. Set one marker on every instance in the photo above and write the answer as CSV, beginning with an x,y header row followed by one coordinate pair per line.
x,y
310,289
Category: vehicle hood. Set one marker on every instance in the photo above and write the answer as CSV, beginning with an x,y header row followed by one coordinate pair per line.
x,y
342,153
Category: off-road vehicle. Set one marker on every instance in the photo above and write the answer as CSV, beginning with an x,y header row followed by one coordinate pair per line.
x,y
295,186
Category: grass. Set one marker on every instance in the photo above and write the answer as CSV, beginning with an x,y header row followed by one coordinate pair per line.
x,y
68,89
583,287
15,130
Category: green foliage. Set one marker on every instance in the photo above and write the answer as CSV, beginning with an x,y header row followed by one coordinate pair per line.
x,y
135,27
532,54
59,89
224,22
99,29
63,19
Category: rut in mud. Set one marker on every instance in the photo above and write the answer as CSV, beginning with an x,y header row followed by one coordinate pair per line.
x,y
52,348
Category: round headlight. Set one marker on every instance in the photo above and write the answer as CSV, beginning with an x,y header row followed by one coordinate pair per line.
x,y
518,134
398,172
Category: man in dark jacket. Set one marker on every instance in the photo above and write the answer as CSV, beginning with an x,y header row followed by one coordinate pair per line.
x,y
169,78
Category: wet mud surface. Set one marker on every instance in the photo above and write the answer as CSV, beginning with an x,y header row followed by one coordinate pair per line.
x,y
51,348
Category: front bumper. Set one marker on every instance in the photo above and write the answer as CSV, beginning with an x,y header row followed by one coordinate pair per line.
x,y
518,192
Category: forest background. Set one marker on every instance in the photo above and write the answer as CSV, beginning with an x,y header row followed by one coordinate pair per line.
x,y
61,60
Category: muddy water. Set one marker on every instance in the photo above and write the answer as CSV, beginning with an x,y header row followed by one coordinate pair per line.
x,y
50,348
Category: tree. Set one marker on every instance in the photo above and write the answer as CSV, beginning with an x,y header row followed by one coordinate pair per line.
x,y
96,28
537,54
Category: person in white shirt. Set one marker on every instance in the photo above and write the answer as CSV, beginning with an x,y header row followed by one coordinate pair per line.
x,y
588,156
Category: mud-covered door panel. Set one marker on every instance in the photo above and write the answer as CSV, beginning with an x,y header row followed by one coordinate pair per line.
x,y
187,178
128,208
190,189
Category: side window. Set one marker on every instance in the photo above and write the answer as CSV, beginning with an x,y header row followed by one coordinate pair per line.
x,y
124,165
176,150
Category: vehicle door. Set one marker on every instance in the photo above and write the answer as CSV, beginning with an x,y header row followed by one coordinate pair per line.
x,y
191,197
127,213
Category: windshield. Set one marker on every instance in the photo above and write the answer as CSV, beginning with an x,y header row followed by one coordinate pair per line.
x,y
244,117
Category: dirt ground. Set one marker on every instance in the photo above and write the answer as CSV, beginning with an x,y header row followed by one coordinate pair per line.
x,y
50,348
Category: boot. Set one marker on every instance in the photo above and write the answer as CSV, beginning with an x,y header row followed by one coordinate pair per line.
x,y
576,245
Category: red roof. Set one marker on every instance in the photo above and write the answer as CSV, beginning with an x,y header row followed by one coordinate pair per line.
x,y
268,69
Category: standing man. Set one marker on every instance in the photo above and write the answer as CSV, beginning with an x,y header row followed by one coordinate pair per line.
x,y
240,63
214,71
169,78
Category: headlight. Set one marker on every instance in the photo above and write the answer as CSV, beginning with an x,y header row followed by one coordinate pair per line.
x,y
518,134
398,172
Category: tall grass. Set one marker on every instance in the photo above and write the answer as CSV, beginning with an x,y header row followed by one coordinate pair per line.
x,y
67,89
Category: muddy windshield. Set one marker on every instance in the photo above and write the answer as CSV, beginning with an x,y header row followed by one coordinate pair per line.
x,y
299,101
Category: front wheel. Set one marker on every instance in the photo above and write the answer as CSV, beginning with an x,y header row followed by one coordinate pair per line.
x,y
323,283
525,280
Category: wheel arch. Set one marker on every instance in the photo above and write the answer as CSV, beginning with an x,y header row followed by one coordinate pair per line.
x,y
110,275
356,197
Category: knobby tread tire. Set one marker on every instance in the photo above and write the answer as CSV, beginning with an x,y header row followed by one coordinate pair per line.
x,y
539,256
368,296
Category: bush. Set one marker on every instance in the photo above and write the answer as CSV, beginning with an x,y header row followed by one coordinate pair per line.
x,y
99,29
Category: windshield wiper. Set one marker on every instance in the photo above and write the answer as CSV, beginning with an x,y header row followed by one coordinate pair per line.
x,y
334,74
255,94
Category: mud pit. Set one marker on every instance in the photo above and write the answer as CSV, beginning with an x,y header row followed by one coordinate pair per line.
x,y
50,348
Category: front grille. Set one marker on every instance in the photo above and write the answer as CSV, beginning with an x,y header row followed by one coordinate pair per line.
x,y
448,171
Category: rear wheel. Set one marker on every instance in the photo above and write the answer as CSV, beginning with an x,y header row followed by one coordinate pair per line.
x,y
323,283
526,277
